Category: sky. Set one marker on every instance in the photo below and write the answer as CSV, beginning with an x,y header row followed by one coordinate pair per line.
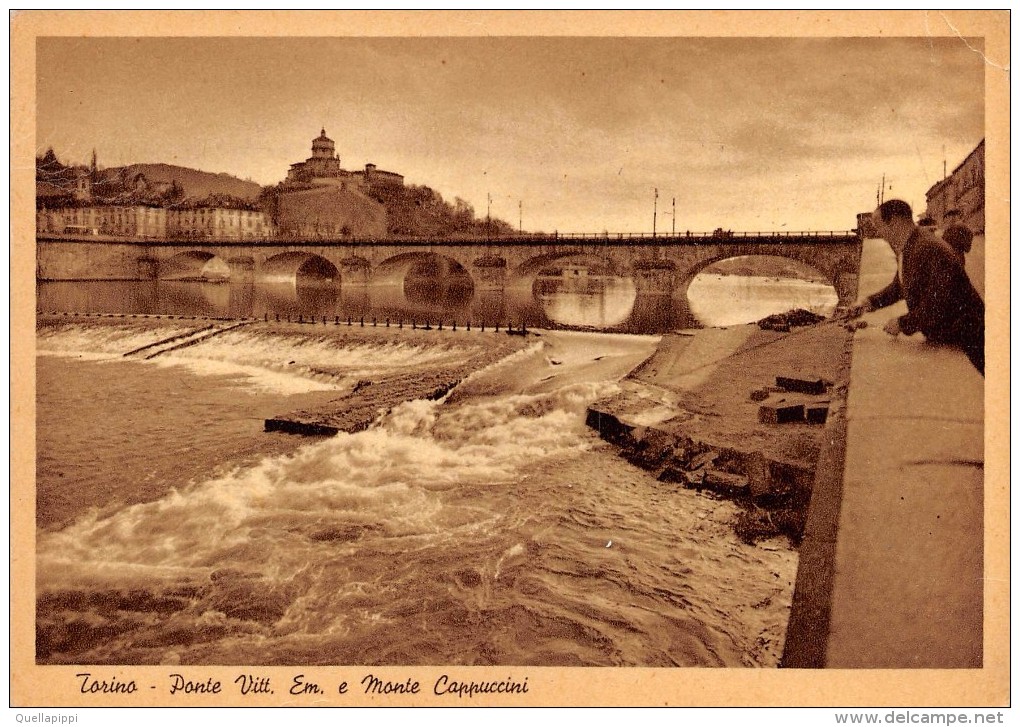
x,y
567,134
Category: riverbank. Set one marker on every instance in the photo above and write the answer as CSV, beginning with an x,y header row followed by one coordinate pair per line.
x,y
692,413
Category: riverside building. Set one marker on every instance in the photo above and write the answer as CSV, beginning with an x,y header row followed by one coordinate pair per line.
x,y
963,190
213,223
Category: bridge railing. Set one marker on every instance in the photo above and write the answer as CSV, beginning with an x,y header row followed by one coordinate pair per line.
x,y
686,237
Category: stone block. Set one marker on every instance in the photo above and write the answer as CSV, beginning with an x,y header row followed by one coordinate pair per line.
x,y
725,483
817,412
672,474
695,479
780,413
801,385
758,471
703,460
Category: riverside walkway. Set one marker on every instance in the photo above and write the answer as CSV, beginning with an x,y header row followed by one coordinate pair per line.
x,y
891,570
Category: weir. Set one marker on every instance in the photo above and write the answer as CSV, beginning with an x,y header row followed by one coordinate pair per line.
x,y
185,340
357,409
368,399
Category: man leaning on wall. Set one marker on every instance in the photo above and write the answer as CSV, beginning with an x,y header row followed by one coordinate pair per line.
x,y
941,301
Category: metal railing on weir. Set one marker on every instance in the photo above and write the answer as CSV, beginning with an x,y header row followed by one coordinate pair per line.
x,y
426,323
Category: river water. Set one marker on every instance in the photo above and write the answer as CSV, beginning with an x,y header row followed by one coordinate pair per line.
x,y
603,304
490,528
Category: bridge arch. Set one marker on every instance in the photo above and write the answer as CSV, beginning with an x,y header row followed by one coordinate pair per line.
x,y
767,297
523,276
299,268
443,270
574,288
194,265
839,270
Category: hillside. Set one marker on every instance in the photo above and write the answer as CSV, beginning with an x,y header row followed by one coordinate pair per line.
x,y
196,184
329,212
308,210
421,211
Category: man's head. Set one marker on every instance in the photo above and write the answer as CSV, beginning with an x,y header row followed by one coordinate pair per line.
x,y
894,221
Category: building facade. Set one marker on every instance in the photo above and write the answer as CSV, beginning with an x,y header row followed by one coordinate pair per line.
x,y
963,190
218,223
156,222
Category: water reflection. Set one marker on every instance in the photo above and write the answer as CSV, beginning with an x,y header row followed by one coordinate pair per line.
x,y
204,298
658,313
577,298
601,303
725,300
293,299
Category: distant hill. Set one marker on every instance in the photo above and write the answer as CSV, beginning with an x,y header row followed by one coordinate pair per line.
x,y
766,266
196,184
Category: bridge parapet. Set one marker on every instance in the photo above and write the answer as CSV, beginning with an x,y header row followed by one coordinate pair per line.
x,y
603,238
826,235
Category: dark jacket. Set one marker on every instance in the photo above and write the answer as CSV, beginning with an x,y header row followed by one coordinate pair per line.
x,y
941,302
959,238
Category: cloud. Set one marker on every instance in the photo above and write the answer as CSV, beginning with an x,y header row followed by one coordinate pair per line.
x,y
582,129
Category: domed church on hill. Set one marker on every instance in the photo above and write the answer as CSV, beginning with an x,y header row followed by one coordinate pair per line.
x,y
323,167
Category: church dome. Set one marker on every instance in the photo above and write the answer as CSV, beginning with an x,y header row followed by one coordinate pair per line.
x,y
323,147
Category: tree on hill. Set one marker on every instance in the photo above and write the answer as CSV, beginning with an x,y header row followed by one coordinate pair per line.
x,y
269,202
419,211
223,201
47,165
49,169
174,195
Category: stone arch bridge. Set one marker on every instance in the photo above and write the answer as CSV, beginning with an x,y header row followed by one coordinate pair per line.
x,y
657,265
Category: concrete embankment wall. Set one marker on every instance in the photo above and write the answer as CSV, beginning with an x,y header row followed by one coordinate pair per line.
x,y
892,571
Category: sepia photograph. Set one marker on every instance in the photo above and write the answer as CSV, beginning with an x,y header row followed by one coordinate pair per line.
x,y
506,359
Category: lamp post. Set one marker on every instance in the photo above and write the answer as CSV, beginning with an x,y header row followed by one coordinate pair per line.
x,y
672,217
655,210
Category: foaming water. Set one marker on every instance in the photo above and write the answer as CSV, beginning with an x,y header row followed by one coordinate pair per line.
x,y
389,473
261,358
100,341
278,378
273,349
491,528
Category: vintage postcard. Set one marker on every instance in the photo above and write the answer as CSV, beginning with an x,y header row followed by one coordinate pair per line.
x,y
510,359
